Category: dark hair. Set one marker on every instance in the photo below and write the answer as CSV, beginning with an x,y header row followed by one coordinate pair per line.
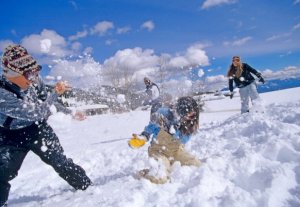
x,y
184,107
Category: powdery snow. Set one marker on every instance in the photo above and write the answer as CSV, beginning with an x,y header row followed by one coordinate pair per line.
x,y
249,160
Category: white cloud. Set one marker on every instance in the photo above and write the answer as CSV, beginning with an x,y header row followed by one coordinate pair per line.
x,y
88,50
188,83
82,73
297,26
213,83
134,59
101,28
4,44
216,79
201,73
211,3
73,3
135,63
48,42
179,62
178,87
287,72
129,65
76,46
110,41
196,55
286,54
45,45
238,42
193,57
149,25
296,1
275,37
78,35
123,30
140,62
241,41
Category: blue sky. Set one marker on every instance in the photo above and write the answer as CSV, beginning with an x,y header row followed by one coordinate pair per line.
x,y
266,34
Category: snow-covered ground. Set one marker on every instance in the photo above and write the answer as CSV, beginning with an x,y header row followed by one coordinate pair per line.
x,y
250,160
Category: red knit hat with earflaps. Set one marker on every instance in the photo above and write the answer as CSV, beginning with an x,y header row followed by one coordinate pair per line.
x,y
17,59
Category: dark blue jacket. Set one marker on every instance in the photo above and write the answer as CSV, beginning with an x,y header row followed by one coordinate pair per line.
x,y
245,79
23,108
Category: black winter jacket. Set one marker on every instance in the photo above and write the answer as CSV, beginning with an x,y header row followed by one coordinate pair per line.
x,y
26,107
245,79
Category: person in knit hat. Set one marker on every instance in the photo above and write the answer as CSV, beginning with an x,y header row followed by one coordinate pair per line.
x,y
17,59
24,110
169,129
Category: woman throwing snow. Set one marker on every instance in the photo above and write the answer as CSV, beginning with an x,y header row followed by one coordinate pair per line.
x,y
242,75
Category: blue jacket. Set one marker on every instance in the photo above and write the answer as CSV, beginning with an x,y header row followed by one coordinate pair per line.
x,y
165,118
25,107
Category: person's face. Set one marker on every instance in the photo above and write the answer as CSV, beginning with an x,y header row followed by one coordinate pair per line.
x,y
147,82
189,116
25,80
235,61
20,81
189,122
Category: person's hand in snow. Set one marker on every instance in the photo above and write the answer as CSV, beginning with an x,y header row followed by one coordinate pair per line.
x,y
79,115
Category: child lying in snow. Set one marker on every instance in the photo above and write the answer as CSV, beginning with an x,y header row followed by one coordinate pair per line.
x,y
170,129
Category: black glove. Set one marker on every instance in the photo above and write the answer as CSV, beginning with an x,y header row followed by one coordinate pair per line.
x,y
231,95
262,80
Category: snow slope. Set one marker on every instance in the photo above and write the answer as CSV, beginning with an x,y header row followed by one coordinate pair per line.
x,y
250,160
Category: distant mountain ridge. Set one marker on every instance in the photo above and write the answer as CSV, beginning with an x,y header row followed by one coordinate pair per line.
x,y
275,84
278,84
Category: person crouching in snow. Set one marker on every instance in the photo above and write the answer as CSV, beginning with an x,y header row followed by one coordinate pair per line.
x,y
170,129
242,75
24,110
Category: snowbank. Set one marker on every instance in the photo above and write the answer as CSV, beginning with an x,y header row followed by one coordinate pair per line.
x,y
248,160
